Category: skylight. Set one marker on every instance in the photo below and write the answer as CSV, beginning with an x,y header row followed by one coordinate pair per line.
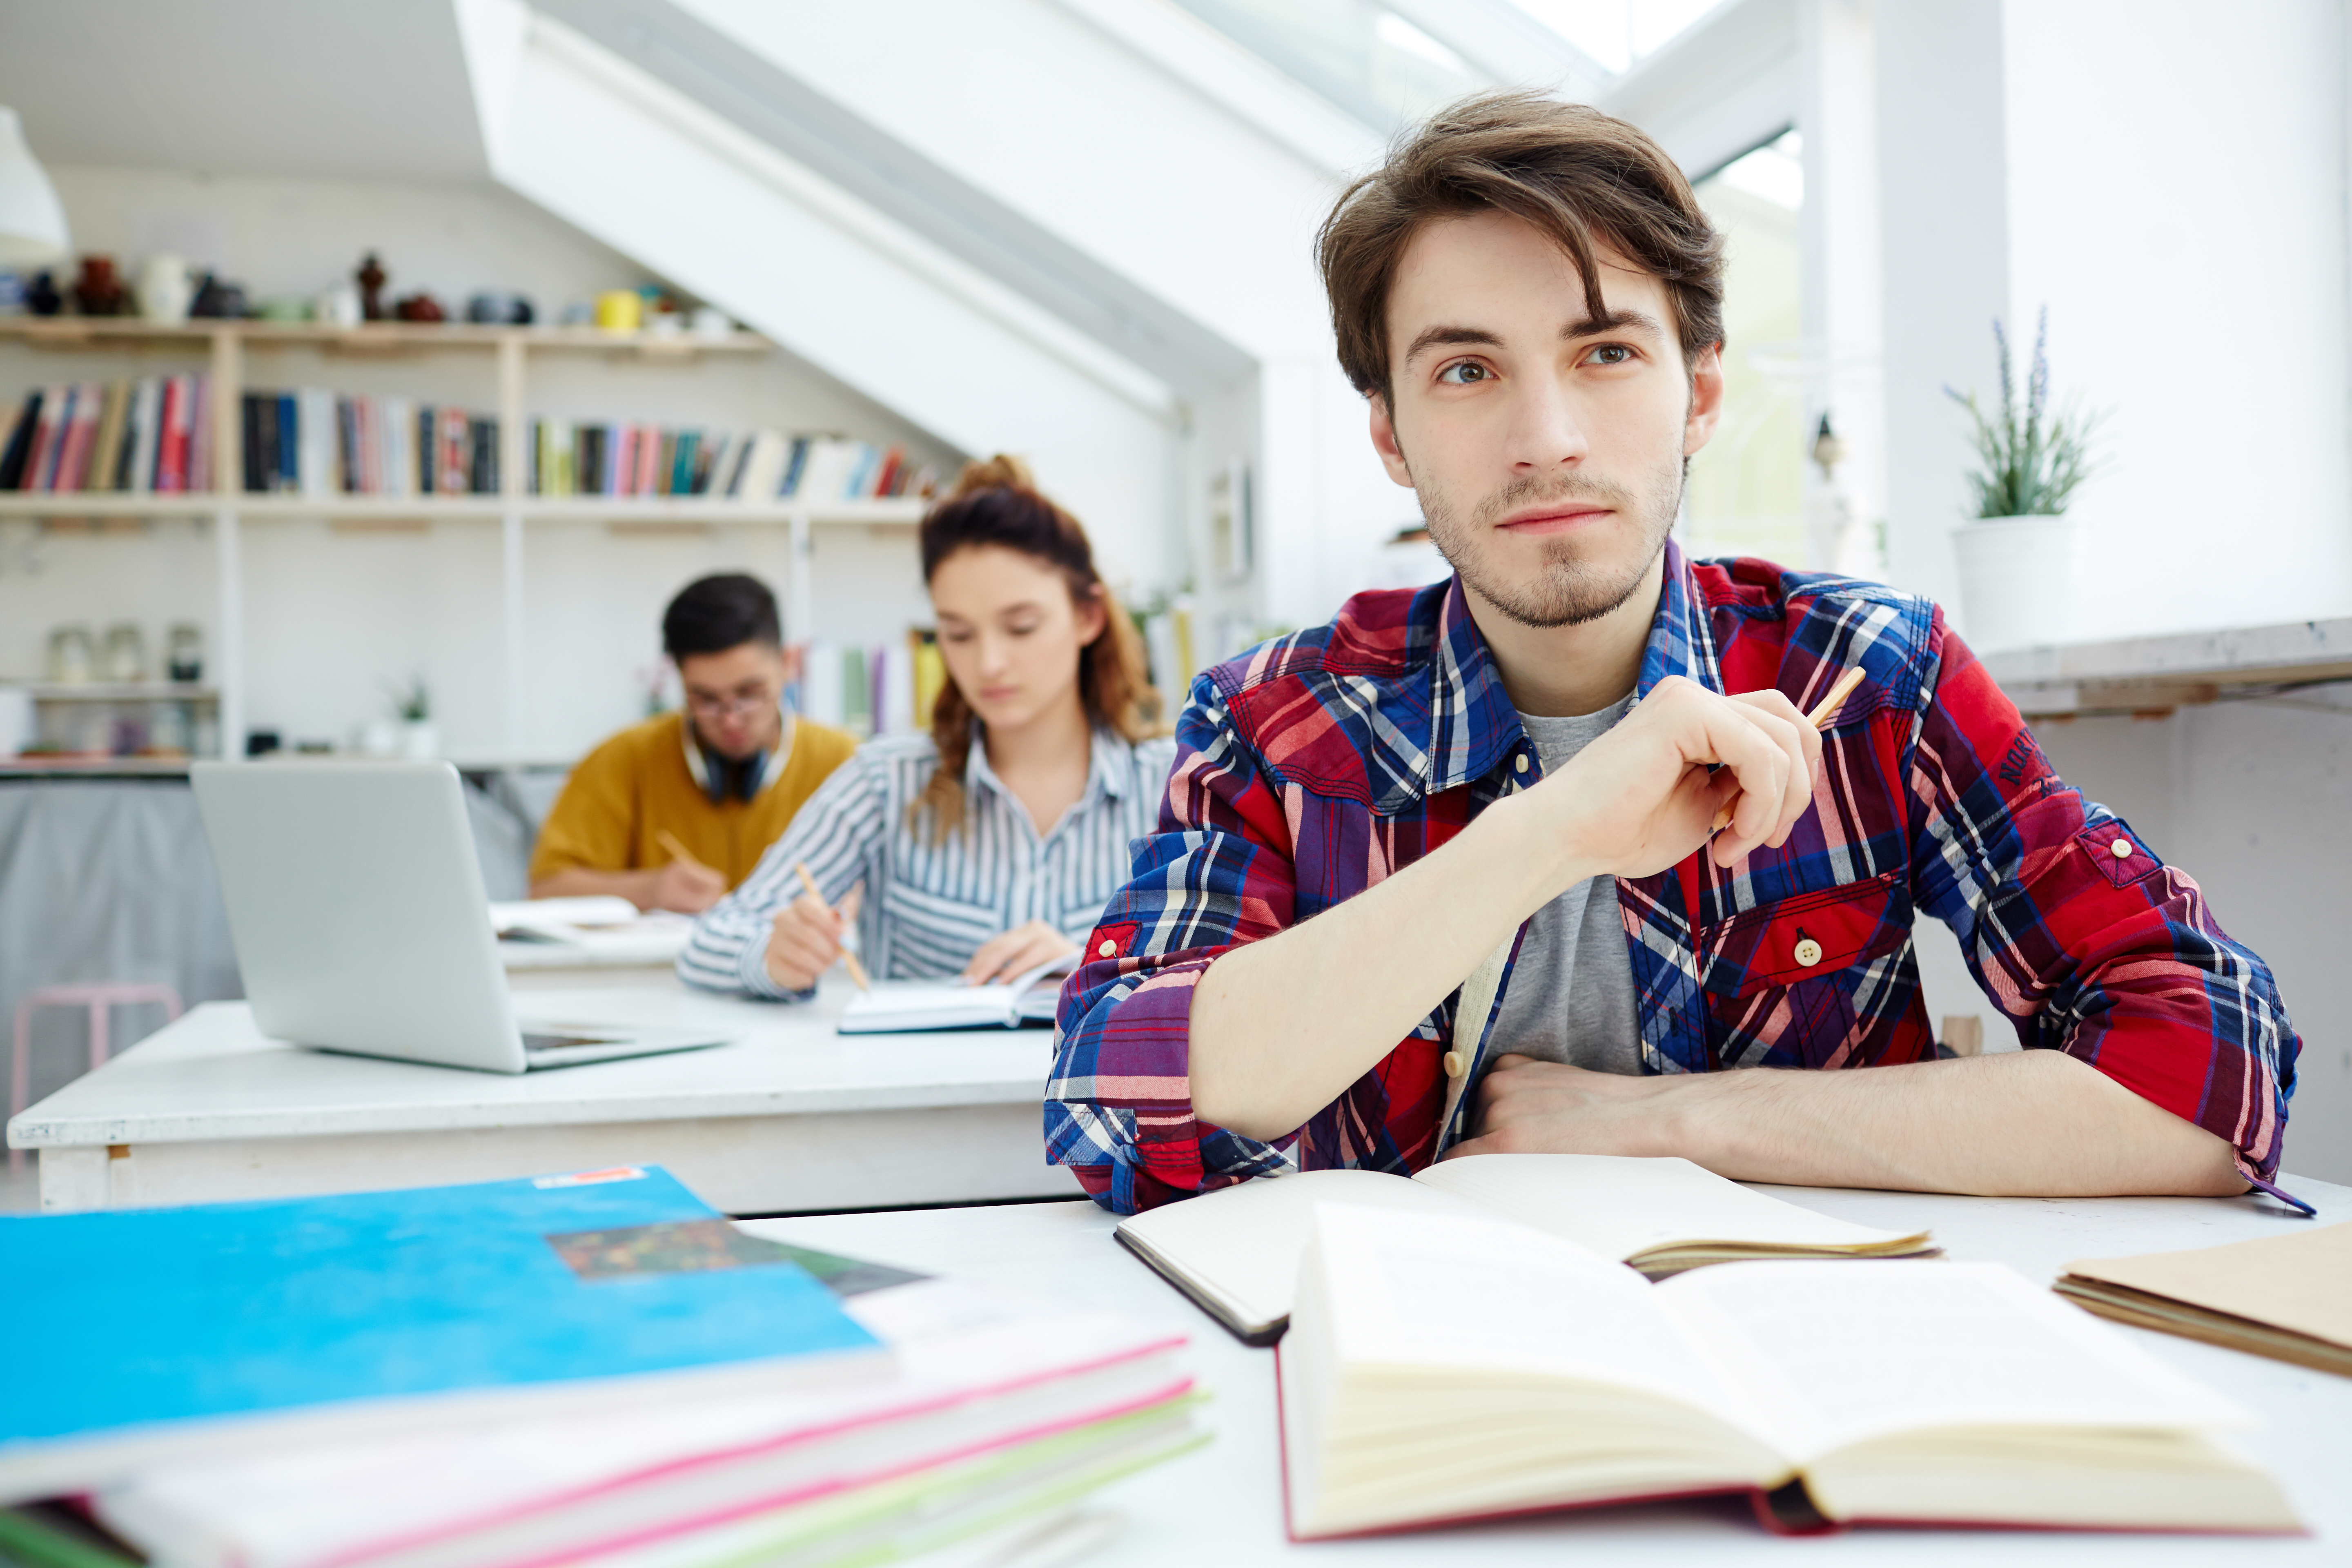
x,y
1617,33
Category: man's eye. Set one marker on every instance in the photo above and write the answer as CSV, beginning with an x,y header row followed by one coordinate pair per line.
x,y
1609,353
1464,373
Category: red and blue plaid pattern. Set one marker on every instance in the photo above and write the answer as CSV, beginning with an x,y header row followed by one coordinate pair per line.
x,y
1313,767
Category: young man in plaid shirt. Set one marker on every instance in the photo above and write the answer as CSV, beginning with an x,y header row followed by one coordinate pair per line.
x,y
1441,876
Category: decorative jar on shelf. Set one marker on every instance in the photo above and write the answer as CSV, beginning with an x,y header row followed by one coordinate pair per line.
x,y
165,289
420,739
184,653
71,655
126,652
2017,580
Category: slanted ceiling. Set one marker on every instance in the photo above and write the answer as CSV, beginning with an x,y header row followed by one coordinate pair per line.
x,y
350,89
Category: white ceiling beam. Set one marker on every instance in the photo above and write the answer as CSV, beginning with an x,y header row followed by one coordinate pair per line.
x,y
1727,84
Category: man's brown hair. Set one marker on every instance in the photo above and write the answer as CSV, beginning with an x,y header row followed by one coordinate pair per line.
x,y
1580,176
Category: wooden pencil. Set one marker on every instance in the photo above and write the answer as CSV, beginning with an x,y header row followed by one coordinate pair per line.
x,y
678,852
849,959
1823,711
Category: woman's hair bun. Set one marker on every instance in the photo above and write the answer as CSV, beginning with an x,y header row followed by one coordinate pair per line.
x,y
1000,472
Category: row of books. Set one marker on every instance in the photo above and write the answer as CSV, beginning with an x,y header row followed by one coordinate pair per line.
x,y
310,442
571,458
143,436
154,436
874,689
595,1367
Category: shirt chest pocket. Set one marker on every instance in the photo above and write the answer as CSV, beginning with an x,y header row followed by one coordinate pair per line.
x,y
931,934
1782,978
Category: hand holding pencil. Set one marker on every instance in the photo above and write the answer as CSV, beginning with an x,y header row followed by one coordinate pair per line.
x,y
685,884
1824,713
806,937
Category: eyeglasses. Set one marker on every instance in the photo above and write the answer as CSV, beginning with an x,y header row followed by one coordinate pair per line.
x,y
728,707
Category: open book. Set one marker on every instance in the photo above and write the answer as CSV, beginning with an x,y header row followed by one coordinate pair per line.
x,y
901,1006
2287,1297
609,928
1443,1368
1236,1252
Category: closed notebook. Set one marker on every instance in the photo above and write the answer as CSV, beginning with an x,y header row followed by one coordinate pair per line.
x,y
1235,1251
164,1333
1442,1369
2287,1297
913,1006
994,1395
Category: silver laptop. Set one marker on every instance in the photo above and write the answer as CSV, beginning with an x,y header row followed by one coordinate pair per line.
x,y
356,906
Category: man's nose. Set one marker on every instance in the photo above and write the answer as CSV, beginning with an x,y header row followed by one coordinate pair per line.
x,y
1546,431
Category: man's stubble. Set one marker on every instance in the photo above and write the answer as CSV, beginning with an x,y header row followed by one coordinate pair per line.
x,y
1569,589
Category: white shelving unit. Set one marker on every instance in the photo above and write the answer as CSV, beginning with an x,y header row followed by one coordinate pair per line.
x,y
229,509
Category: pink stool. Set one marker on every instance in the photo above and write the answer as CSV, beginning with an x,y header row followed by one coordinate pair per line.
x,y
99,998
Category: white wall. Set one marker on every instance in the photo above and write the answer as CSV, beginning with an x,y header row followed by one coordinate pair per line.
x,y
2170,181
1221,229
334,616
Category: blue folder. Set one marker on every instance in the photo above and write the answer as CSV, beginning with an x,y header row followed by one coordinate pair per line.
x,y
147,1321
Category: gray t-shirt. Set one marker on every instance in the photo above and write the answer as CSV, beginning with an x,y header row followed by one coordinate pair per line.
x,y
1570,997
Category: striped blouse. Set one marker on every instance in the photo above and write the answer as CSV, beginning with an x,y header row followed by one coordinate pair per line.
x,y
927,907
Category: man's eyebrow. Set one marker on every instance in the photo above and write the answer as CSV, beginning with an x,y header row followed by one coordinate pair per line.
x,y
1614,321
1435,337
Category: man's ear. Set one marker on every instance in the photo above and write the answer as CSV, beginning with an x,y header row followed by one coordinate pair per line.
x,y
1705,400
1384,441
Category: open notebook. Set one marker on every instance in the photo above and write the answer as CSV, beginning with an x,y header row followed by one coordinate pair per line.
x,y
609,928
1442,1369
910,1006
1236,1252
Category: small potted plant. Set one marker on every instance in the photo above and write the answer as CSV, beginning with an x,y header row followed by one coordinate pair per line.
x,y
420,739
2018,556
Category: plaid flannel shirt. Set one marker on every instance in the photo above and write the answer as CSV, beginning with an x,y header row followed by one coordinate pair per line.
x,y
1317,764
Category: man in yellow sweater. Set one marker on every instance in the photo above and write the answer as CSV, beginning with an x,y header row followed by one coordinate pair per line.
x,y
721,780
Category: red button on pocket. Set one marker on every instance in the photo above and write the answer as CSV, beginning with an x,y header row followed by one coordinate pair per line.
x,y
1111,941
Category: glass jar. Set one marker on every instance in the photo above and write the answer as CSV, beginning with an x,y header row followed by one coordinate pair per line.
x,y
71,655
184,653
126,654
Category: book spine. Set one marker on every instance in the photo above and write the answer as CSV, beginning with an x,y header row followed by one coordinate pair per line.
x,y
289,444
73,461
149,429
200,432
20,436
649,454
106,449
56,408
171,455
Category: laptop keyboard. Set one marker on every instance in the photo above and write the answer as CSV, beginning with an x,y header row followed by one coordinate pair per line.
x,y
533,1042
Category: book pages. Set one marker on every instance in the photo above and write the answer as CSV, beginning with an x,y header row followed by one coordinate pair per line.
x,y
1623,1207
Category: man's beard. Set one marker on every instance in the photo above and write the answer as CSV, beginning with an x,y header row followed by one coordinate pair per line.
x,y
1569,589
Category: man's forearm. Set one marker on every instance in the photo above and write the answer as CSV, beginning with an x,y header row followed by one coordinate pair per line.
x,y
2036,1123
1280,1026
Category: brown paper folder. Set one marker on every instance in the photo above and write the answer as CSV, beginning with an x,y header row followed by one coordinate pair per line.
x,y
2287,1297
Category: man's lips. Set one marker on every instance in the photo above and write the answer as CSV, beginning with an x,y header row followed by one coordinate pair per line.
x,y
1554,519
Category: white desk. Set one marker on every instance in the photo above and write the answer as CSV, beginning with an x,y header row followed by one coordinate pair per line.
x,y
793,1116
1219,1508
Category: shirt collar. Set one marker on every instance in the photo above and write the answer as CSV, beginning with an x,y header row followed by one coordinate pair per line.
x,y
1471,724
1106,777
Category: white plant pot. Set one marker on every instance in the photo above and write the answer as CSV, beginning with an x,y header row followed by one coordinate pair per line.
x,y
2018,583
420,739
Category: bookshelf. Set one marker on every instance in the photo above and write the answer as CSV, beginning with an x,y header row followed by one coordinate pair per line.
x,y
227,508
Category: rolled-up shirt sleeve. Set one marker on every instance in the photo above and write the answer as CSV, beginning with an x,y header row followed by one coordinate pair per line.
x,y
837,833
1118,1106
2078,929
